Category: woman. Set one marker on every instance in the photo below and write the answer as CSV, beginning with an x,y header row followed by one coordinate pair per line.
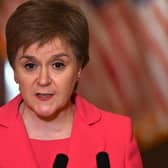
x,y
48,124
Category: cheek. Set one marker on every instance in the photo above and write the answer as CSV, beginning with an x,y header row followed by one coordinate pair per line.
x,y
68,80
24,86
19,76
24,80
25,83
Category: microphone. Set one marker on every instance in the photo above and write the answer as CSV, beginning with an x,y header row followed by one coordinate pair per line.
x,y
102,160
61,161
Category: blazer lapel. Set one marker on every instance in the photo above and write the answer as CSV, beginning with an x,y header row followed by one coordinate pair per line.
x,y
15,148
19,147
86,141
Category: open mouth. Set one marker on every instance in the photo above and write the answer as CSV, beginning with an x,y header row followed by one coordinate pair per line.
x,y
44,96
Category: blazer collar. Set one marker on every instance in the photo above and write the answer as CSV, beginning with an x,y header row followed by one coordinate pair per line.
x,y
15,138
18,145
88,112
86,139
10,111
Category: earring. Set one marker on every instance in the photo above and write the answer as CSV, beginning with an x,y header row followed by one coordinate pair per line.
x,y
78,77
79,74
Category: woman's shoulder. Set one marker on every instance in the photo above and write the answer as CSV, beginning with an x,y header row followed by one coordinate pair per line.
x,y
12,104
111,117
115,127
113,123
108,118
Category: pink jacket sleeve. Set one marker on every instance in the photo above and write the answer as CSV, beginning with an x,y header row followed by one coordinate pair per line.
x,y
133,158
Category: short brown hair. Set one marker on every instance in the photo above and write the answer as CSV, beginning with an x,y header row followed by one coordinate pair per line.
x,y
42,21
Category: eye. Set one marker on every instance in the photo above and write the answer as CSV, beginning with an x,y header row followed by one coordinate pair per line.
x,y
30,66
58,65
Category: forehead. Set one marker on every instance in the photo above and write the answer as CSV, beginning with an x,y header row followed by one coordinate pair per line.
x,y
51,47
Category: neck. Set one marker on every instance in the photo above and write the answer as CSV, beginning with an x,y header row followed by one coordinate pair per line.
x,y
59,127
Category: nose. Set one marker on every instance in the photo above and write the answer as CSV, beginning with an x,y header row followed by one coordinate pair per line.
x,y
44,77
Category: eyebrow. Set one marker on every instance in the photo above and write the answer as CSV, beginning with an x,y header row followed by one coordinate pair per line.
x,y
29,57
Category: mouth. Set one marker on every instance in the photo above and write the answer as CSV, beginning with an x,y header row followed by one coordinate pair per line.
x,y
44,96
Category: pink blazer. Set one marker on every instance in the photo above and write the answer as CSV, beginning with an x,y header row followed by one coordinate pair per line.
x,y
93,131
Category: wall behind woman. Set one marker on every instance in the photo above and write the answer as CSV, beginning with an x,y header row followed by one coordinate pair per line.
x,y
6,75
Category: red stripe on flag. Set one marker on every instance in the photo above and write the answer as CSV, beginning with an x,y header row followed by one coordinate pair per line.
x,y
161,18
153,46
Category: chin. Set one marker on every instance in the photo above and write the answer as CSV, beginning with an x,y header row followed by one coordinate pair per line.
x,y
44,112
47,116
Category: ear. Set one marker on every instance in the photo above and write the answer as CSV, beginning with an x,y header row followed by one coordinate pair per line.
x,y
15,77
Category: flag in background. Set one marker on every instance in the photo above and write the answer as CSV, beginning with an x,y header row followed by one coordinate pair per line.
x,y
153,25
128,69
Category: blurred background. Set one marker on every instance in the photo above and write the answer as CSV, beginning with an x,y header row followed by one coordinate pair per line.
x,y
128,69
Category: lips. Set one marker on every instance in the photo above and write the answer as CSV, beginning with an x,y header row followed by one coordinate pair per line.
x,y
44,96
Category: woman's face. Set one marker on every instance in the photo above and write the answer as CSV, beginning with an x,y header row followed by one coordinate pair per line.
x,y
46,76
